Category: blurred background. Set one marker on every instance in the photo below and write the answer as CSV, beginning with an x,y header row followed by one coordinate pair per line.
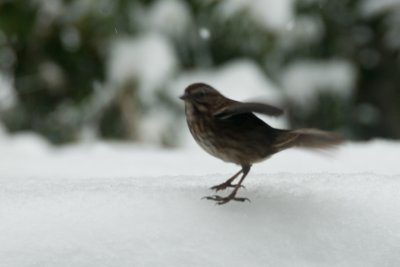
x,y
78,70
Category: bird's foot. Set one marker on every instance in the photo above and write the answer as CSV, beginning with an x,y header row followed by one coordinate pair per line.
x,y
223,200
224,186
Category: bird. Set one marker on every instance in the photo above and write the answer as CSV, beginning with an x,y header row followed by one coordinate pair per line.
x,y
229,130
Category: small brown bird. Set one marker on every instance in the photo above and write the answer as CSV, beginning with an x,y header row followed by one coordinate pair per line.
x,y
228,129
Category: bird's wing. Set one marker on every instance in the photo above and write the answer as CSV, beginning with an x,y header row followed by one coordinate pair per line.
x,y
249,107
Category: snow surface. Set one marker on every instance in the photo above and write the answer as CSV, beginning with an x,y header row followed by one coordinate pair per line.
x,y
121,204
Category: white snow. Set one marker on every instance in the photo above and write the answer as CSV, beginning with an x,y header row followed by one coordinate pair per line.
x,y
169,16
149,62
104,204
204,33
8,97
50,9
238,79
372,8
303,79
304,30
148,59
272,14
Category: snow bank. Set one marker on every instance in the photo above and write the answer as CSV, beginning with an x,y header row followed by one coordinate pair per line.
x,y
293,220
123,205
105,160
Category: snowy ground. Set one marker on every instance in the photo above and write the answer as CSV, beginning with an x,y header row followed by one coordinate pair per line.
x,y
123,205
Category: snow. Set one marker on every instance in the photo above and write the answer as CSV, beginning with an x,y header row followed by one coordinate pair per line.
x,y
238,79
52,75
50,9
304,30
272,14
71,39
119,204
8,97
303,80
371,8
204,33
148,59
169,16
145,63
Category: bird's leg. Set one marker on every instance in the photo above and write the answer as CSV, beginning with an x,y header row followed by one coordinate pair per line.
x,y
232,196
227,183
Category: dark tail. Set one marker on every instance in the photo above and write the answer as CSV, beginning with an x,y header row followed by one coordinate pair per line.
x,y
307,138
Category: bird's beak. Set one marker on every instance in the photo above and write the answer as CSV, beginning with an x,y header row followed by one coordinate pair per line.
x,y
185,96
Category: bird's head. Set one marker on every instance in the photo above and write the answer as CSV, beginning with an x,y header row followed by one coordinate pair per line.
x,y
202,97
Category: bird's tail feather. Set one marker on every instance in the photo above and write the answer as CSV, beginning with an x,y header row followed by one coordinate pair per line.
x,y
307,138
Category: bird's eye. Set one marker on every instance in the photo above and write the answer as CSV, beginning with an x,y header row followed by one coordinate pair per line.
x,y
200,94
203,93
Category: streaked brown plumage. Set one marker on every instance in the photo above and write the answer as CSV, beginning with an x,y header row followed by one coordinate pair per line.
x,y
229,130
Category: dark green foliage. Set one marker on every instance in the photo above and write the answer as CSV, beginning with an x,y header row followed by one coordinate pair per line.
x,y
362,40
56,60
330,112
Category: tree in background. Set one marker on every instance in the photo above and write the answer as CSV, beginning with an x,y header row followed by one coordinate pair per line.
x,y
63,62
364,33
55,53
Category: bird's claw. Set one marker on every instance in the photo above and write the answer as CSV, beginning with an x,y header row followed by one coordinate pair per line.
x,y
222,200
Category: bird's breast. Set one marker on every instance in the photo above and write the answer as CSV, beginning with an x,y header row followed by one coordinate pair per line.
x,y
213,139
232,140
